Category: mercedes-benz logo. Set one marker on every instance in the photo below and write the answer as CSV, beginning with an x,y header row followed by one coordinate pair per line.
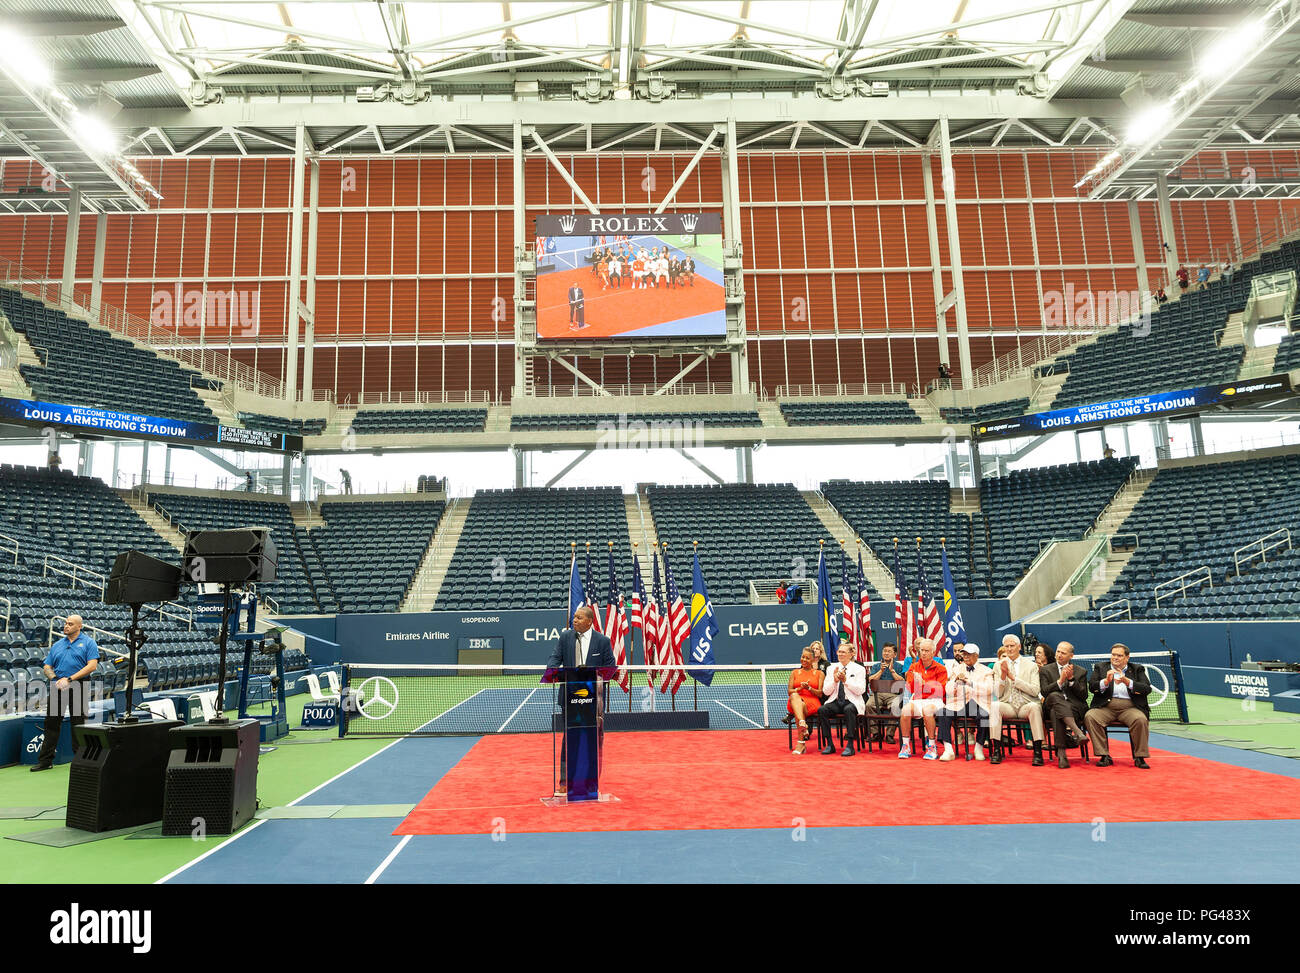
x,y
800,627
378,700
1158,692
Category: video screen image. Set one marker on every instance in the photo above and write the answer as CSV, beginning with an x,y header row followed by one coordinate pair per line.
x,y
630,276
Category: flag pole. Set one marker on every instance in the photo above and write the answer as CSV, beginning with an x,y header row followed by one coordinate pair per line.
x,y
695,683
668,605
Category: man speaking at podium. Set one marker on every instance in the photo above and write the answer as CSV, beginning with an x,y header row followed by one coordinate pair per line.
x,y
581,646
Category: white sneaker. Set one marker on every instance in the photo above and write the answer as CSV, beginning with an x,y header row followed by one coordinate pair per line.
x,y
979,752
948,752
905,751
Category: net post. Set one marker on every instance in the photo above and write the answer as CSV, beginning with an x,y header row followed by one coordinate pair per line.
x,y
343,691
762,684
1176,670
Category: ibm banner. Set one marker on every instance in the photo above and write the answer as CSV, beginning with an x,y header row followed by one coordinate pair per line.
x,y
1136,407
135,426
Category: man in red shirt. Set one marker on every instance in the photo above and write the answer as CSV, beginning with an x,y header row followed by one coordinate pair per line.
x,y
927,681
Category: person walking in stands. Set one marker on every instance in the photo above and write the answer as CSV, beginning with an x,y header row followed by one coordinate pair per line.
x,y
1203,277
347,480
55,460
1182,278
780,593
67,666
248,482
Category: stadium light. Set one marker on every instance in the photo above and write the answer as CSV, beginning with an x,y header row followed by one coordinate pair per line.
x,y
20,59
93,133
1228,51
1146,122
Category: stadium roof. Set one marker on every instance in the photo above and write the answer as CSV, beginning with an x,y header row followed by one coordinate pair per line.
x,y
181,77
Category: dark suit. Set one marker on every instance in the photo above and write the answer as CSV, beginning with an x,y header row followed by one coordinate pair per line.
x,y
1061,702
576,306
1134,713
600,653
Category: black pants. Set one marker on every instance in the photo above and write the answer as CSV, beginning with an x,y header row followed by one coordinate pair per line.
x,y
945,718
1057,711
72,699
835,707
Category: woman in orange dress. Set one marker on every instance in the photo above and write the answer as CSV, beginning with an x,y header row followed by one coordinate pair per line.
x,y
805,696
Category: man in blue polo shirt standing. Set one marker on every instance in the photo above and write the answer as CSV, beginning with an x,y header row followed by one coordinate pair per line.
x,y
70,662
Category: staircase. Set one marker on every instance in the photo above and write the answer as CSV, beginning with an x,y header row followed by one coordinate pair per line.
x,y
1110,523
881,578
1049,386
1258,362
305,516
163,527
641,529
498,419
423,592
927,412
1234,331
769,413
14,351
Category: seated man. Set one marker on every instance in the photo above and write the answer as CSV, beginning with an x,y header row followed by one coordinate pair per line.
x,y
1119,695
1065,699
844,687
926,682
1015,688
969,690
886,683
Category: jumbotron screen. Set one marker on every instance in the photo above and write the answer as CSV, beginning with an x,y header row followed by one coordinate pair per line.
x,y
637,275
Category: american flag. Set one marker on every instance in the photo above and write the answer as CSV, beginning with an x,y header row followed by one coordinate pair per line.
x,y
589,596
930,625
638,595
678,631
848,605
866,644
653,615
616,627
904,614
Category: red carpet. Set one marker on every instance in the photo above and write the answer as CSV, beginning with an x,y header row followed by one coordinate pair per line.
x,y
747,779
619,309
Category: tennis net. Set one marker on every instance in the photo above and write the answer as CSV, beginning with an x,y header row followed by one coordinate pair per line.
x,y
381,700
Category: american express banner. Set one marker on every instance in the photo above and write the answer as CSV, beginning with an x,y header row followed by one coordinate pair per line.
x,y
1136,407
136,426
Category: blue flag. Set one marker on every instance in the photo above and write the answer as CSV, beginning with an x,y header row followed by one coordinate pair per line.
x,y
703,628
829,635
953,626
576,596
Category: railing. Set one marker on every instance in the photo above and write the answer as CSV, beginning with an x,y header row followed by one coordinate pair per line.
x,y
582,390
763,590
1086,573
1126,611
5,540
1028,355
1283,540
419,398
1123,489
78,574
840,391
1265,238
56,625
176,612
219,363
1197,577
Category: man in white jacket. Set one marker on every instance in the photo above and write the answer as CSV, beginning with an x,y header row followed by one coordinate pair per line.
x,y
845,688
1015,690
970,689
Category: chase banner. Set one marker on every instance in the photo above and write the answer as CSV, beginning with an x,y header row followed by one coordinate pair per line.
x,y
136,426
1137,407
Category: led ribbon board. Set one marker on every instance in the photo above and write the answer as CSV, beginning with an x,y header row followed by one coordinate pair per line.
x,y
1130,409
133,425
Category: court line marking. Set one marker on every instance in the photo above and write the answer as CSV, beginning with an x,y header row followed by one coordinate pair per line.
x,y
235,837
741,715
388,861
450,708
501,728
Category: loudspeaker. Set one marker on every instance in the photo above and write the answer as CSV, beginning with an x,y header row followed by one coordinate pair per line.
x,y
116,777
211,777
136,578
230,556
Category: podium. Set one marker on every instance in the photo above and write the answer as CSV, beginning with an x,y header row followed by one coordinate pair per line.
x,y
577,733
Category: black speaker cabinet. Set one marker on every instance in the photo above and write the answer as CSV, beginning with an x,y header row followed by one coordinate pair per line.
x,y
211,777
230,556
137,578
116,777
